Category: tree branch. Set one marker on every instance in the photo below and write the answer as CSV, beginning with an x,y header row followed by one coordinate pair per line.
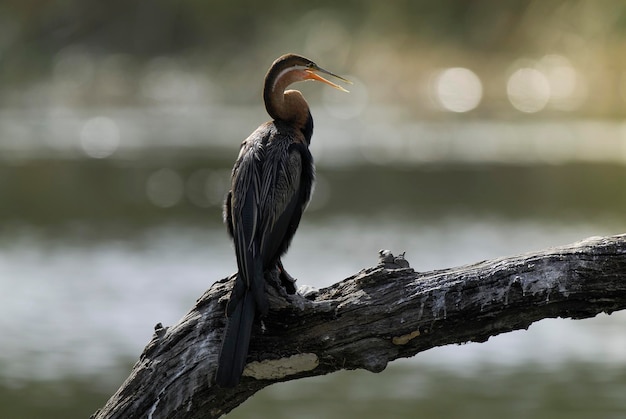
x,y
365,321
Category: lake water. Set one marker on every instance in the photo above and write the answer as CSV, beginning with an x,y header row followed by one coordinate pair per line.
x,y
104,237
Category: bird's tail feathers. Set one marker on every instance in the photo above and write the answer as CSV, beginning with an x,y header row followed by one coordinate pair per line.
x,y
234,351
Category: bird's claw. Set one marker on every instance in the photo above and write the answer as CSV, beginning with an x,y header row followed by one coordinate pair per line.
x,y
287,281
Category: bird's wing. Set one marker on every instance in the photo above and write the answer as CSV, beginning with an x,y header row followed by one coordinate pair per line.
x,y
284,200
244,207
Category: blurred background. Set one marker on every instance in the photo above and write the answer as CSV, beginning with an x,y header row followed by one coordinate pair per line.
x,y
474,130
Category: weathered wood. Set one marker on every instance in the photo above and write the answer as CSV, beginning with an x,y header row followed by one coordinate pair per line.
x,y
365,321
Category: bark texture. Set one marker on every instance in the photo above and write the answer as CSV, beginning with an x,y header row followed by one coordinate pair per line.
x,y
380,314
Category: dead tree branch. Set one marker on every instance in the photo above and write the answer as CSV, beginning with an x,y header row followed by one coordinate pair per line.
x,y
365,321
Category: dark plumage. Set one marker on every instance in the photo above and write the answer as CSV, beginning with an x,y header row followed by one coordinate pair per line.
x,y
271,185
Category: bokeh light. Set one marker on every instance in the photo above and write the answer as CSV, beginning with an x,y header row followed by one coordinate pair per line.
x,y
458,89
165,188
528,90
207,187
99,137
568,88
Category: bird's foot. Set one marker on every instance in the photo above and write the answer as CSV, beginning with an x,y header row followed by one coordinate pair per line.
x,y
282,282
287,281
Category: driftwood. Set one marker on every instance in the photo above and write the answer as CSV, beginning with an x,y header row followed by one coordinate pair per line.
x,y
378,315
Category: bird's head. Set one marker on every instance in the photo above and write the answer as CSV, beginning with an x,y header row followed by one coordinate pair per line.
x,y
291,68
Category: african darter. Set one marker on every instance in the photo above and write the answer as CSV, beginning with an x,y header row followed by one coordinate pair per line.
x,y
271,185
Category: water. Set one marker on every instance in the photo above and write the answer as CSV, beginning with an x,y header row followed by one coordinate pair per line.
x,y
575,390
94,251
75,308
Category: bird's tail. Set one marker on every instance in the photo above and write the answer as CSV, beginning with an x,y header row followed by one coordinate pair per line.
x,y
235,342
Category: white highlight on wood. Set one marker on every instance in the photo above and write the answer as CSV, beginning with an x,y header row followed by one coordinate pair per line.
x,y
272,369
404,339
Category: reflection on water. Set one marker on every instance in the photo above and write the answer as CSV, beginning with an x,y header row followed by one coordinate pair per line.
x,y
380,135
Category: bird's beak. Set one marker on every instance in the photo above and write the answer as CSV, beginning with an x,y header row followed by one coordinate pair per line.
x,y
311,74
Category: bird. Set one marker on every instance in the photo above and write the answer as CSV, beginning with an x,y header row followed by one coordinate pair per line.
x,y
271,184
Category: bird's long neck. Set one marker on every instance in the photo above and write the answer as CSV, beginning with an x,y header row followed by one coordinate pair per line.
x,y
288,106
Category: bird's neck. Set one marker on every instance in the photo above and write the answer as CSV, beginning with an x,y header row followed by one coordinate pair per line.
x,y
288,106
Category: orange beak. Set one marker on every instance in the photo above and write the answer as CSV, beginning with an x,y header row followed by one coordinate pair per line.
x,y
311,74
